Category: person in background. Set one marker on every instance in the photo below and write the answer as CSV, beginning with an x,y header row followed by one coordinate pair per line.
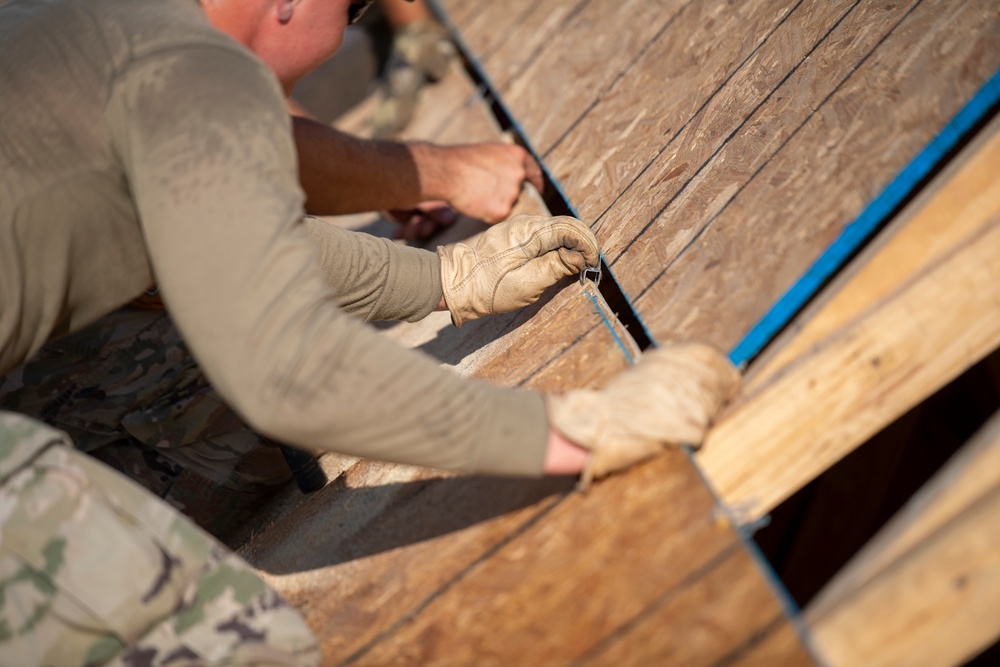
x,y
421,52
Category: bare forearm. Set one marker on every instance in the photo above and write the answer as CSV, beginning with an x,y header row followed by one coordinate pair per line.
x,y
344,174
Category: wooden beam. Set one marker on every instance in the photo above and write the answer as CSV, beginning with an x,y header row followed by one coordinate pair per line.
x,y
926,589
918,312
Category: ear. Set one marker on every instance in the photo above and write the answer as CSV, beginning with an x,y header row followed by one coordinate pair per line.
x,y
284,10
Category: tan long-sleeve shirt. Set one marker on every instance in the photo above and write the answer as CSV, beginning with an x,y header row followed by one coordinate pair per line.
x,y
139,144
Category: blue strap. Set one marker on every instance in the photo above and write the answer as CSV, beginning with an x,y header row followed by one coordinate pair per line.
x,y
870,219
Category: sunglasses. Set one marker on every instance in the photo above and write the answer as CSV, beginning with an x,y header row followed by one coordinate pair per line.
x,y
356,10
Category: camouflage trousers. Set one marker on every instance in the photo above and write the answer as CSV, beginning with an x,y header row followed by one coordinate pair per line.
x,y
94,570
128,392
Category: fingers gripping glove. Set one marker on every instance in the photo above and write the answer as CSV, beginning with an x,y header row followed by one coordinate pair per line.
x,y
512,263
668,398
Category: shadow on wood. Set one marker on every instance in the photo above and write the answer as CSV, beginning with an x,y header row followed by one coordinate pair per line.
x,y
340,524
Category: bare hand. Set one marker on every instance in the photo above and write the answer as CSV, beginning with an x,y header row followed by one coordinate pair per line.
x,y
485,179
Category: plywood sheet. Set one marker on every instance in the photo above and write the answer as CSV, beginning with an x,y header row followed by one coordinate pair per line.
x,y
715,170
577,586
725,110
719,256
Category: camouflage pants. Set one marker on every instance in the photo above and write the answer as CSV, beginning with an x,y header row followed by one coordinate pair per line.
x,y
128,392
96,571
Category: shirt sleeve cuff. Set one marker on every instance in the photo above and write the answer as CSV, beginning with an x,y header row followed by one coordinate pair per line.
x,y
413,285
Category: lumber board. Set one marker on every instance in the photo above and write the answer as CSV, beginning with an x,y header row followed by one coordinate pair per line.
x,y
902,253
926,589
567,586
913,316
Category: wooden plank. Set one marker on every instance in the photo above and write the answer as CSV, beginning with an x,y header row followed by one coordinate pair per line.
x,y
505,60
714,264
569,584
917,326
901,255
485,30
700,623
926,589
647,167
579,61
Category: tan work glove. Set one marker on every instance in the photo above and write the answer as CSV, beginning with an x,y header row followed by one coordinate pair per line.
x,y
668,398
512,263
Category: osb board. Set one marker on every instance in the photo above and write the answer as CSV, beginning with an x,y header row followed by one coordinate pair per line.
x,y
505,38
607,577
754,235
715,170
910,315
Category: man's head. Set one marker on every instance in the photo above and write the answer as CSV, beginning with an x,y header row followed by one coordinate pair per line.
x,y
292,36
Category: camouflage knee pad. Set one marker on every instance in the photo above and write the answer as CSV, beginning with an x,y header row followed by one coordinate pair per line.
x,y
96,571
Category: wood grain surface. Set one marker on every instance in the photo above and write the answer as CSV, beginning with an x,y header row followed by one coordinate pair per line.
x,y
926,589
401,565
569,588
715,170
721,270
911,317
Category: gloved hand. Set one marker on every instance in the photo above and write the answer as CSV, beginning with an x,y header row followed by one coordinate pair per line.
x,y
512,263
668,398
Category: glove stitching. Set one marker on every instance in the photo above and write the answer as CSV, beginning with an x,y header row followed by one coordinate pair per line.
x,y
481,266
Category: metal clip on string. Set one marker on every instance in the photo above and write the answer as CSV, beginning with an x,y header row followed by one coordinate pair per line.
x,y
591,273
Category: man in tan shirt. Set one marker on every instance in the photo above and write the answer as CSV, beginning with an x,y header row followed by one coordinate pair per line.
x,y
150,142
